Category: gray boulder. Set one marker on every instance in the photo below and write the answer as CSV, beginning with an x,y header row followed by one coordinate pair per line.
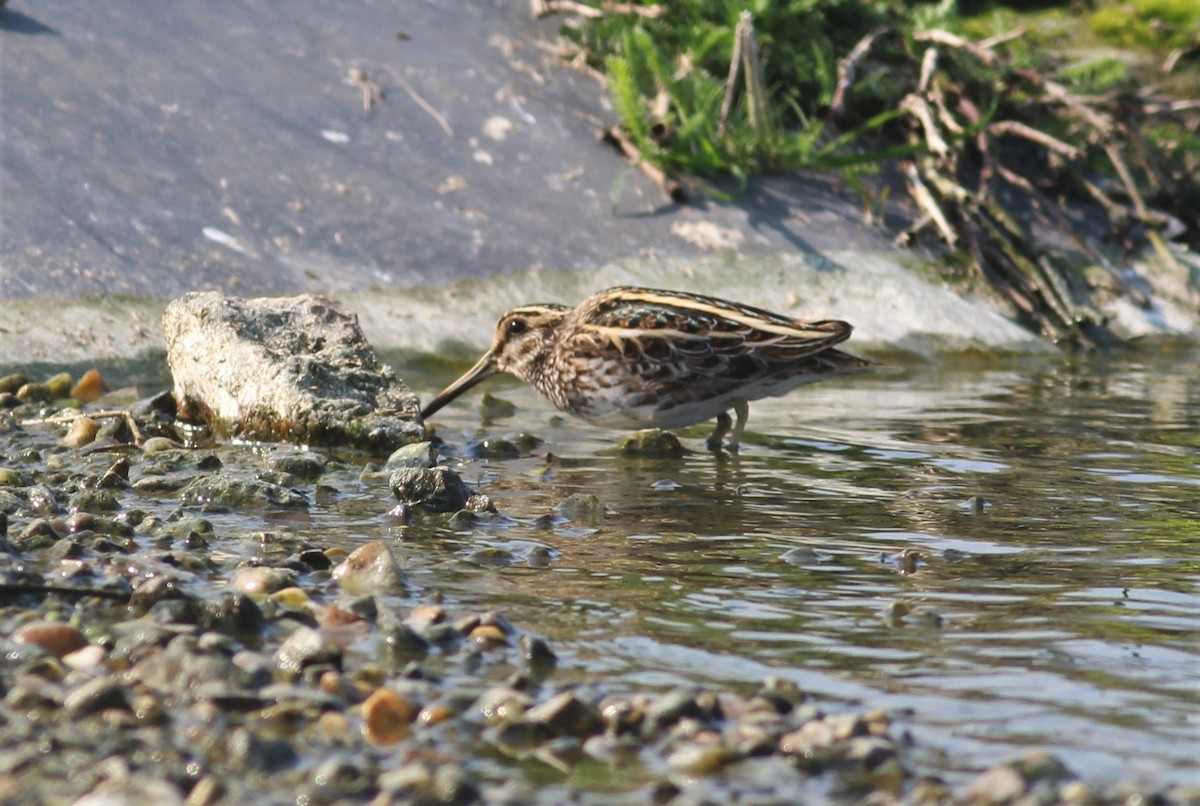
x,y
289,369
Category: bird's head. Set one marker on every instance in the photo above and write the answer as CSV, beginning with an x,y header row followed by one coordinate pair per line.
x,y
522,336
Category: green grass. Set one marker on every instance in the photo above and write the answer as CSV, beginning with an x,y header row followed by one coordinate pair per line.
x,y
1159,24
668,74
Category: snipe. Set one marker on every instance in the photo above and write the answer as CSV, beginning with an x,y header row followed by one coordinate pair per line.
x,y
641,357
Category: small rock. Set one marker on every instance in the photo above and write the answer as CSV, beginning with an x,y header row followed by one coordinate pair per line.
x,y
305,647
999,786
42,500
159,445
87,659
9,384
537,654
90,387
370,569
495,408
303,465
57,639
434,713
260,580
492,448
669,708
416,455
582,508
437,489
387,716
565,714
425,615
235,615
59,386
96,500
229,492
701,759
651,443
502,704
99,694
34,393
82,432
487,636
401,639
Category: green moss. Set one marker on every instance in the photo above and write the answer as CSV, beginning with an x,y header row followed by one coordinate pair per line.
x,y
1147,23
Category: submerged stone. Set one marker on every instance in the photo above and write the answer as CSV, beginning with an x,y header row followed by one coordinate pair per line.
x,y
651,443
370,569
438,489
223,490
582,508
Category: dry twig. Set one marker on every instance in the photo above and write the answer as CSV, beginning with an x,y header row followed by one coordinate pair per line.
x,y
669,185
1018,129
927,203
421,102
848,68
918,107
372,93
985,55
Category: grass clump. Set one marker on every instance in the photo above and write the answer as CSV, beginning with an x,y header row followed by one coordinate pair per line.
x,y
1160,24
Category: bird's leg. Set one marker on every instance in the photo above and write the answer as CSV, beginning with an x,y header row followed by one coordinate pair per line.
x,y
742,409
718,434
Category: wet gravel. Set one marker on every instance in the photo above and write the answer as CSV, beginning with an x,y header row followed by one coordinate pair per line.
x,y
152,651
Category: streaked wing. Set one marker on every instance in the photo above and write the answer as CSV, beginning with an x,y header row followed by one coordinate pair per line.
x,y
668,338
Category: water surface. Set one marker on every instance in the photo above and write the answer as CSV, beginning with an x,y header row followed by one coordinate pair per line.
x,y
1005,556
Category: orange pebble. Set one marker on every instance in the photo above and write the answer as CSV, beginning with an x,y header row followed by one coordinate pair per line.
x,y
57,639
386,717
89,387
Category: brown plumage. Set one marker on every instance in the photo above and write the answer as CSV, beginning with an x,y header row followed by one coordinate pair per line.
x,y
639,357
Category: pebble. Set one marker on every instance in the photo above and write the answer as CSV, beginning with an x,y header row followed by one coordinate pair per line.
x,y
82,431
387,717
34,392
700,759
436,489
89,388
502,704
370,569
59,385
418,455
9,384
155,445
57,639
651,443
303,648
495,408
259,580
99,694
583,508
566,714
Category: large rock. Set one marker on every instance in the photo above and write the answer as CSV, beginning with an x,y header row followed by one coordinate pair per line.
x,y
294,369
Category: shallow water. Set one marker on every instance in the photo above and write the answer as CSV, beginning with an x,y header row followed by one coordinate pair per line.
x,y
1053,506
1004,555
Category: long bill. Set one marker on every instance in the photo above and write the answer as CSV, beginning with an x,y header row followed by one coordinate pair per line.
x,y
484,368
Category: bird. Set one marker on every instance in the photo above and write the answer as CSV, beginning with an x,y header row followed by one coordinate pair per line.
x,y
634,357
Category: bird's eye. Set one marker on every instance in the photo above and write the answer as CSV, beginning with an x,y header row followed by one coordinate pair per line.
x,y
518,326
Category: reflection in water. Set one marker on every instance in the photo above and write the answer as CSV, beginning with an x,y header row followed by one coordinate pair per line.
x,y
1048,596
